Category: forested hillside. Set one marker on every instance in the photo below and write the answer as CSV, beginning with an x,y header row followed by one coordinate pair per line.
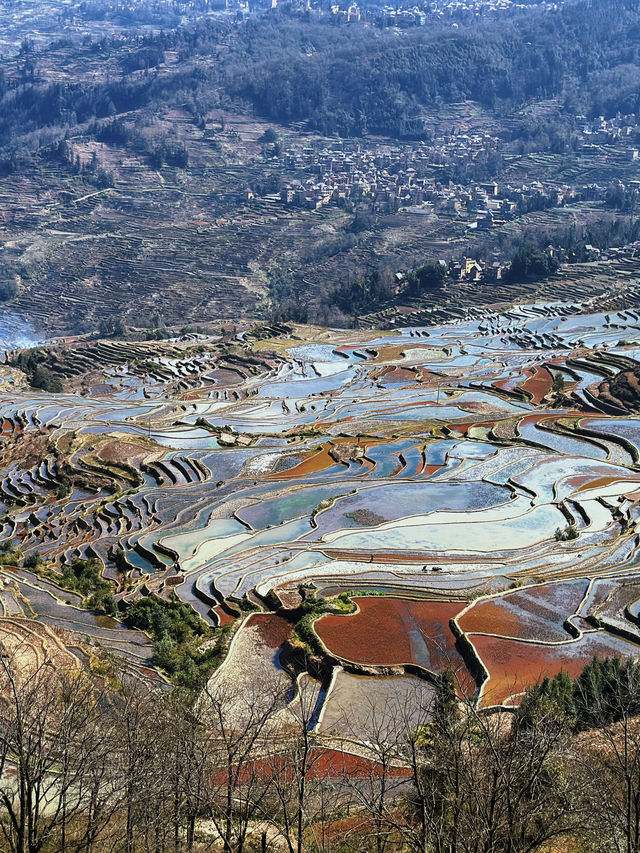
x,y
348,81
585,52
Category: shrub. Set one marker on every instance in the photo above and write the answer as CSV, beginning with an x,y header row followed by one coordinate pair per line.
x,y
85,577
33,560
178,634
46,380
64,489
568,533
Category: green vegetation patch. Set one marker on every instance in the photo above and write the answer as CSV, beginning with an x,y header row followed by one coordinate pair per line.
x,y
605,692
314,607
184,646
83,577
10,555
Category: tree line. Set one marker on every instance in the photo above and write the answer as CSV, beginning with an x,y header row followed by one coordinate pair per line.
x,y
94,764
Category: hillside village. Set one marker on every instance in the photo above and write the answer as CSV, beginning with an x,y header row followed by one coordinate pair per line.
x,y
389,176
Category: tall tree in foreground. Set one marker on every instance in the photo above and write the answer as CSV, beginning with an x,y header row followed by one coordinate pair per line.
x,y
238,724
607,697
55,786
295,802
484,783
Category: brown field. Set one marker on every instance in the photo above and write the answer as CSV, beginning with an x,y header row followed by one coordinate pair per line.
x,y
392,631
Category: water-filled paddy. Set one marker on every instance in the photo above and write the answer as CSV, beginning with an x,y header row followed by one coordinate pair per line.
x,y
298,502
397,463
376,504
515,526
536,613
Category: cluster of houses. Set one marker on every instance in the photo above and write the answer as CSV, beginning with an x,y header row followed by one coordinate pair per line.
x,y
473,270
468,269
389,176
412,14
602,131
386,175
593,253
482,7
463,269
348,14
418,15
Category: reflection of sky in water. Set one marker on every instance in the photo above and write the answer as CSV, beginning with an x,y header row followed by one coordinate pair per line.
x,y
290,396
561,443
398,500
315,352
628,428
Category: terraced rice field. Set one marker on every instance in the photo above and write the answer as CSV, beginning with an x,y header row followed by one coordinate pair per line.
x,y
389,631
364,707
251,676
513,665
537,613
495,518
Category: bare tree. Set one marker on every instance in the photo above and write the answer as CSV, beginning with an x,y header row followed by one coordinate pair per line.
x,y
378,774
518,794
238,722
608,756
485,783
140,760
54,784
295,753
610,775
188,767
